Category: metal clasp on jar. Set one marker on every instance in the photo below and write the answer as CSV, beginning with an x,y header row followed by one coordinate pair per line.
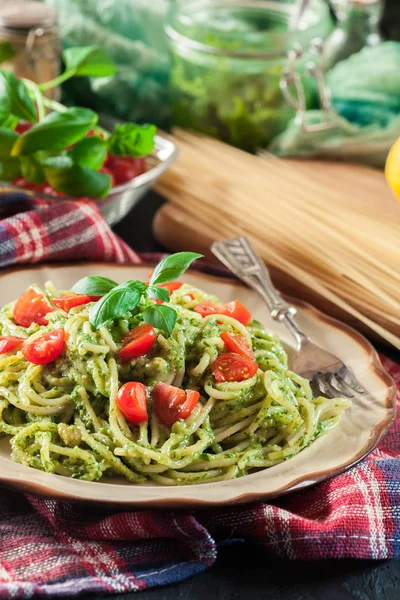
x,y
293,91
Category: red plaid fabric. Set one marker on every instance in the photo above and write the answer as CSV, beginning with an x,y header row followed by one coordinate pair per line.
x,y
51,548
56,231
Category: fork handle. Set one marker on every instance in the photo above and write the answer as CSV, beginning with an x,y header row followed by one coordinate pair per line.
x,y
239,256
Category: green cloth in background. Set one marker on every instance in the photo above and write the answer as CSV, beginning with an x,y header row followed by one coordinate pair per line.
x,y
131,31
365,91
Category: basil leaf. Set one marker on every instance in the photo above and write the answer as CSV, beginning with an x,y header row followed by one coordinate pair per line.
x,y
172,267
113,305
14,97
57,162
7,141
135,284
7,51
158,293
89,60
160,316
8,121
94,285
74,180
56,131
31,169
130,139
90,152
9,169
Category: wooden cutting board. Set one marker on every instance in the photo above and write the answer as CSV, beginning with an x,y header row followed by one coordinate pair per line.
x,y
365,186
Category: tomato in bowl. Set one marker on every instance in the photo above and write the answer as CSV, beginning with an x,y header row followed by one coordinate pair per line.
x,y
121,169
125,191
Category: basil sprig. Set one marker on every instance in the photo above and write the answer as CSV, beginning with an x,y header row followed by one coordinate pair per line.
x,y
93,285
117,300
116,303
56,148
130,139
172,267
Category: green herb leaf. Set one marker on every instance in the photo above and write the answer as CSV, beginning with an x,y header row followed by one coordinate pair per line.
x,y
56,131
158,293
7,141
57,162
6,51
130,139
89,60
8,121
117,302
172,267
90,152
14,97
74,180
136,284
94,285
9,169
161,316
31,169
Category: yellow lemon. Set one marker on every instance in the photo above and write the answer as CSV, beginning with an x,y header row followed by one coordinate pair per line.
x,y
392,168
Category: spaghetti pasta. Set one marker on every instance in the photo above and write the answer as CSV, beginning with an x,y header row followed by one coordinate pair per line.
x,y
313,234
64,416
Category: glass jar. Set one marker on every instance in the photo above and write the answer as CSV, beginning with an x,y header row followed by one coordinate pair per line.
x,y
31,31
228,59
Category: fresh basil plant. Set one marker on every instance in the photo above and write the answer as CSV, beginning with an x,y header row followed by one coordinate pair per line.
x,y
56,148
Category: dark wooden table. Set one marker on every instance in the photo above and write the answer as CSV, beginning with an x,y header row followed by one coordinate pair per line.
x,y
242,570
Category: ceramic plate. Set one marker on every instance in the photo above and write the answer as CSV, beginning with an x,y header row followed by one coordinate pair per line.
x,y
360,430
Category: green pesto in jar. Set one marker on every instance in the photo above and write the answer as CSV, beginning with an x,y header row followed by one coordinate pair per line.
x,y
228,60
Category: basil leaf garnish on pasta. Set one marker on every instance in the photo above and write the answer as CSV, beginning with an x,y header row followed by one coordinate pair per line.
x,y
94,285
158,293
173,266
161,317
120,300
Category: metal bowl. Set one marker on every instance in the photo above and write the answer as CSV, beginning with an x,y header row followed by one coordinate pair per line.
x,y
122,198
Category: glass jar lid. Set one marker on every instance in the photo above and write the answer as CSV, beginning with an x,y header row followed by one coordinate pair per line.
x,y
21,17
244,28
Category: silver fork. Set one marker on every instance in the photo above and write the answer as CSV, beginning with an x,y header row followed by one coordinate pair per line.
x,y
325,370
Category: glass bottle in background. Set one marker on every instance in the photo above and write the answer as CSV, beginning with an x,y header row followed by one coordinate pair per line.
x,y
357,26
30,30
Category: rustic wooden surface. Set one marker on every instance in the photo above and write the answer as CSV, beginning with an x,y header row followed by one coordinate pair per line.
x,y
364,186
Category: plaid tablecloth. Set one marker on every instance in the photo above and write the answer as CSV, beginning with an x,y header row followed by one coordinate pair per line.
x,y
56,549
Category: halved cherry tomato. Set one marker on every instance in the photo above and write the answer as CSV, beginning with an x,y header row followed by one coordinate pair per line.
x,y
234,309
132,402
23,183
50,191
172,403
31,307
171,286
137,342
9,342
42,188
68,302
237,344
23,126
107,171
45,349
125,168
233,367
